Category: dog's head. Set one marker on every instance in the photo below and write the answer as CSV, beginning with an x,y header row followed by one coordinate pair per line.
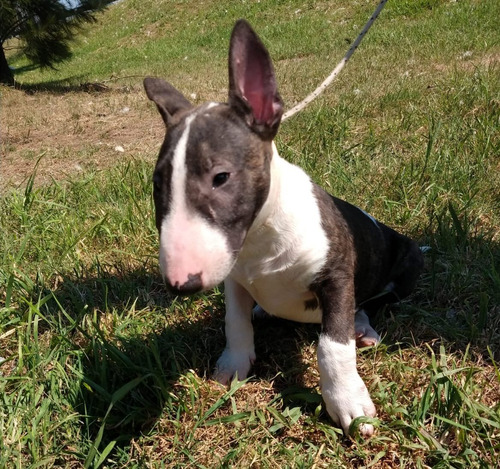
x,y
213,172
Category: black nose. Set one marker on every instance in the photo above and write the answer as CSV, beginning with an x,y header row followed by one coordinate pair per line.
x,y
193,285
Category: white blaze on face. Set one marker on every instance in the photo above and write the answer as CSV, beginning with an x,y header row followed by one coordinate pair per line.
x,y
189,245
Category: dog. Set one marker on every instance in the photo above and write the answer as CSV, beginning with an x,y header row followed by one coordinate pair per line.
x,y
230,209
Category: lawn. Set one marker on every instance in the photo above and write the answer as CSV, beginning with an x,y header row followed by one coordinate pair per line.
x,y
101,367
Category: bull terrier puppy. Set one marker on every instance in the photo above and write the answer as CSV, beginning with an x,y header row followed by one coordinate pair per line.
x,y
229,208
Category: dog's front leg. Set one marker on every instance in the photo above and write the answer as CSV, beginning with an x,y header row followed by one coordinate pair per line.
x,y
239,353
343,390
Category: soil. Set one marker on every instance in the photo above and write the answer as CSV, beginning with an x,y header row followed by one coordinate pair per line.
x,y
68,132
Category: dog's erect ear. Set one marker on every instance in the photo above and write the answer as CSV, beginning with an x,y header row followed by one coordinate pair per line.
x,y
168,100
252,84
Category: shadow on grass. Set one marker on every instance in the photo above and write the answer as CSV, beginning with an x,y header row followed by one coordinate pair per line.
x,y
24,69
138,341
60,87
134,351
57,87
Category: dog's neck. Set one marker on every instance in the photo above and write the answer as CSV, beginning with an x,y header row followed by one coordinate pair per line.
x,y
275,239
268,211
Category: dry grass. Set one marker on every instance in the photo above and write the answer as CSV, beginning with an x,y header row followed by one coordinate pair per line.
x,y
104,369
74,132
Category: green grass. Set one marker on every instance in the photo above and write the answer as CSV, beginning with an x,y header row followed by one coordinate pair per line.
x,y
102,368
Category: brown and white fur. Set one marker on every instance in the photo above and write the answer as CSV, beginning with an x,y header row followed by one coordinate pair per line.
x,y
229,208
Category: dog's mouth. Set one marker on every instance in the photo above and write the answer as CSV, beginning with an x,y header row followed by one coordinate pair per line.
x,y
193,285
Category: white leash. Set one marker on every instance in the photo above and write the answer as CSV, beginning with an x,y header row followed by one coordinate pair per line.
x,y
338,68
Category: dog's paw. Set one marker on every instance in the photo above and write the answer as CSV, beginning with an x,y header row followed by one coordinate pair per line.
x,y
345,403
233,364
366,336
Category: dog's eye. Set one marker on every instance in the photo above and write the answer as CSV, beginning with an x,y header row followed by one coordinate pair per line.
x,y
219,179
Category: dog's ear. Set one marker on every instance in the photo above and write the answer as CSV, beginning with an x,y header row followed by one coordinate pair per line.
x,y
168,100
253,93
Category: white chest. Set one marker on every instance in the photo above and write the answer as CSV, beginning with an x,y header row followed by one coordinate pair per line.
x,y
285,248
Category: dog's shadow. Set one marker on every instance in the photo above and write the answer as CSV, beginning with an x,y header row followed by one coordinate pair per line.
x,y
136,342
142,341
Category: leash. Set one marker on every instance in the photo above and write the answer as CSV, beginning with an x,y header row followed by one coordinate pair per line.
x,y
311,97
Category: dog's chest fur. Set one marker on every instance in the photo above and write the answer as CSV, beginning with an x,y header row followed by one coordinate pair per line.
x,y
286,247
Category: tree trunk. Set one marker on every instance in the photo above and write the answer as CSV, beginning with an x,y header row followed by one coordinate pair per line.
x,y
6,75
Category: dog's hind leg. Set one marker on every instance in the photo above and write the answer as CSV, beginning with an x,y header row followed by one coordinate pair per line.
x,y
402,277
366,336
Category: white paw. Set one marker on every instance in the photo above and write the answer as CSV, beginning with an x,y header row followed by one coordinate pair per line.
x,y
345,403
231,364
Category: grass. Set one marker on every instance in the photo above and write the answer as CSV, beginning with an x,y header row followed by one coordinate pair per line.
x,y
101,367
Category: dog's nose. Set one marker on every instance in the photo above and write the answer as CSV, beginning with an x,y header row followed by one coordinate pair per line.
x,y
193,285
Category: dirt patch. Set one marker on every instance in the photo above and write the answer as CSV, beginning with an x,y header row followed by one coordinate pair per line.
x,y
73,131
469,61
